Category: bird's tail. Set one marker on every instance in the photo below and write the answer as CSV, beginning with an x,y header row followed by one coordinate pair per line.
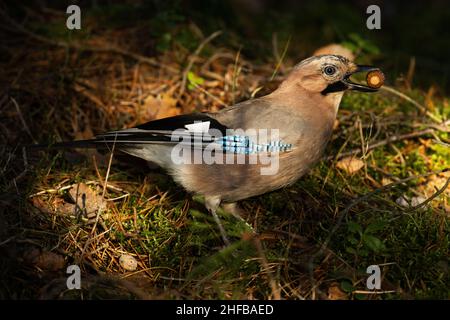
x,y
134,138
66,145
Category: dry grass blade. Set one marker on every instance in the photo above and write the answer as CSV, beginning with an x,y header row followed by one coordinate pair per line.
x,y
415,103
100,208
280,59
193,57
274,285
384,142
25,126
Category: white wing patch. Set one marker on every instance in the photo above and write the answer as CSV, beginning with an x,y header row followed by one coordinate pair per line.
x,y
198,127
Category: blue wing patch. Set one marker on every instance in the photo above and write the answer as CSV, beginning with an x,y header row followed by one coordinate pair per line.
x,y
243,145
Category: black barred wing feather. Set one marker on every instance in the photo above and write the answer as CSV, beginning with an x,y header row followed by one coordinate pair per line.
x,y
181,121
196,130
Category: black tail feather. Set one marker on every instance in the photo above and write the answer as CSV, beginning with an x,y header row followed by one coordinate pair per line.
x,y
66,145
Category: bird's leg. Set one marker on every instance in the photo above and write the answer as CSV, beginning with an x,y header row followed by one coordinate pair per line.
x,y
235,210
212,203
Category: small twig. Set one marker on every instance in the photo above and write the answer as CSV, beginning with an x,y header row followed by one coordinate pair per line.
x,y
119,197
175,279
410,74
104,186
386,141
210,95
442,143
364,142
192,60
415,103
266,268
392,177
97,217
99,176
434,196
443,127
7,240
25,126
71,186
24,157
373,292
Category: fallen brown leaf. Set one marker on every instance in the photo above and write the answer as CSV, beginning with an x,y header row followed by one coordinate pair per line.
x,y
386,181
162,106
335,293
86,199
41,205
350,164
335,49
44,260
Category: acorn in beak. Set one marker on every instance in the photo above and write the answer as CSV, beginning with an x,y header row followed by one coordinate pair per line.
x,y
374,79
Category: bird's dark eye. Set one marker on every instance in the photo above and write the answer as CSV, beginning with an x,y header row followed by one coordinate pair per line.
x,y
329,70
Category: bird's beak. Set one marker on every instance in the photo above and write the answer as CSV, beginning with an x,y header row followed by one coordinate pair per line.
x,y
356,86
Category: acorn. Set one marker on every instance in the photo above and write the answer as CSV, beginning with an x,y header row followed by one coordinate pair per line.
x,y
375,79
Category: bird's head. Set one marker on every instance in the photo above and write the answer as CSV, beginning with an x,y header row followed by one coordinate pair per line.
x,y
325,78
327,75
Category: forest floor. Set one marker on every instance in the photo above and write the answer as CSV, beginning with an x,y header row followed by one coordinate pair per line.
x,y
380,196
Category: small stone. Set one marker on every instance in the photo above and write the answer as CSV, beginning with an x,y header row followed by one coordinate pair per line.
x,y
128,262
409,202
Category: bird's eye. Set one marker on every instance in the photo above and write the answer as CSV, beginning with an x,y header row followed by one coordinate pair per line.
x,y
329,70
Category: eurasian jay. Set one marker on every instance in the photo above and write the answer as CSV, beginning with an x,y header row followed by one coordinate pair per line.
x,y
252,147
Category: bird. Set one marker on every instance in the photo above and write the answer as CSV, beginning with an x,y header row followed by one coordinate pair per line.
x,y
277,137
